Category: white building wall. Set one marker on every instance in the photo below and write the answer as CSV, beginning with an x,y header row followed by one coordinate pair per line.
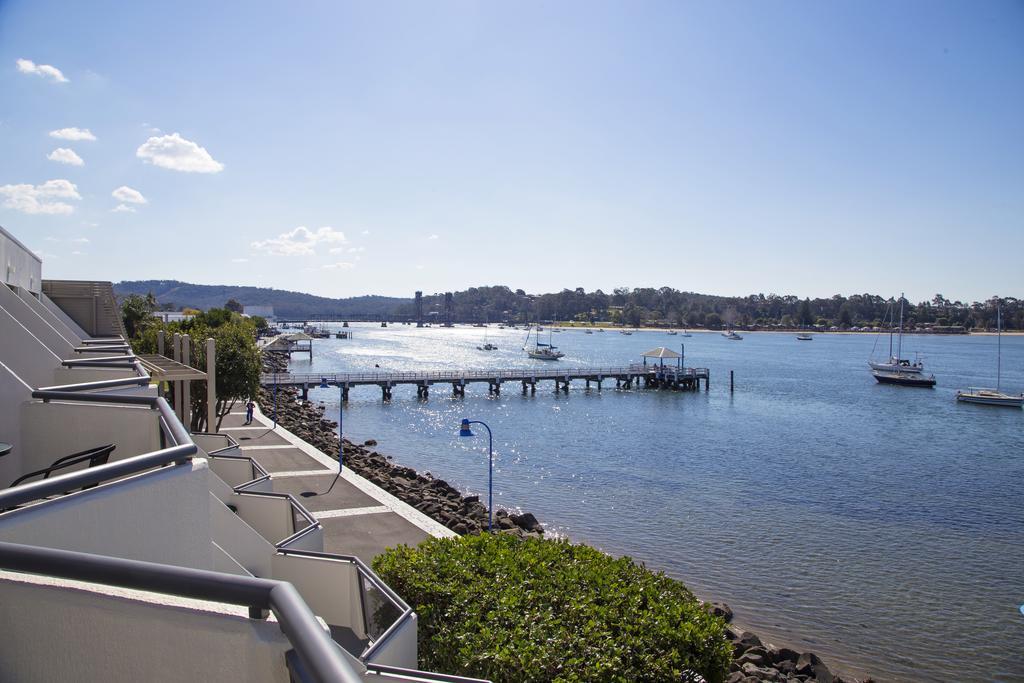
x,y
18,265
53,630
158,516
50,317
24,353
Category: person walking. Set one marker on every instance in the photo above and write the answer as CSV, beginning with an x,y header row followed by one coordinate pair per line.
x,y
248,411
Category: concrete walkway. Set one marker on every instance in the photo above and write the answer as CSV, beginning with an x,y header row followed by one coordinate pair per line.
x,y
359,518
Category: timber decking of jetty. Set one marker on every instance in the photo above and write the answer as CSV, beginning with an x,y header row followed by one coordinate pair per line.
x,y
647,376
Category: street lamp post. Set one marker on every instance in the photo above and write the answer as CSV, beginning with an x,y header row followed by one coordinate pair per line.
x,y
465,431
275,399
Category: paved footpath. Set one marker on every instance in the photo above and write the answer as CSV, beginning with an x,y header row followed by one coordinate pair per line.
x,y
359,517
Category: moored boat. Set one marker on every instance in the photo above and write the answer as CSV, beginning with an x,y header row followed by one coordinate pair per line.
x,y
904,379
731,334
993,397
804,337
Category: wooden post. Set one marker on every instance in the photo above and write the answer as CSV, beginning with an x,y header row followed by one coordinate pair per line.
x,y
731,387
211,386
176,355
186,385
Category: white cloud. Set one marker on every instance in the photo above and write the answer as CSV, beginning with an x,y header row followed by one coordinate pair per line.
x,y
178,154
357,250
300,241
63,155
129,195
87,224
239,260
337,250
40,199
341,265
27,66
73,134
123,208
433,237
366,232
419,266
78,253
80,240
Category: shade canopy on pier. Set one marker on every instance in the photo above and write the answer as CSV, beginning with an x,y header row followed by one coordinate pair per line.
x,y
662,352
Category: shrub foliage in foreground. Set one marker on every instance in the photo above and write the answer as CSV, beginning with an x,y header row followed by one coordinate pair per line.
x,y
509,609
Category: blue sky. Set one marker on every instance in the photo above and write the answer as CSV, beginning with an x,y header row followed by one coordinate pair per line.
x,y
724,147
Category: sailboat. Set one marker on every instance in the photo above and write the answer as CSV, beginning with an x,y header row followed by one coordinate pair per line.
x,y
686,334
993,397
895,362
541,351
488,346
899,371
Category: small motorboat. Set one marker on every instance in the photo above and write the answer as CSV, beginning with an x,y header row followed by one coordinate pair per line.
x,y
730,334
487,347
804,337
672,333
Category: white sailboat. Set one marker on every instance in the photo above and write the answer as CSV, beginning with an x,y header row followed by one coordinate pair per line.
x,y
898,370
993,397
731,334
896,363
541,351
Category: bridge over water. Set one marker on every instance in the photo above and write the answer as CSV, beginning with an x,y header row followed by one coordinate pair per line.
x,y
646,376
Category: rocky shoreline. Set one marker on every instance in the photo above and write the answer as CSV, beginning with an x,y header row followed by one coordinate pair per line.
x,y
753,660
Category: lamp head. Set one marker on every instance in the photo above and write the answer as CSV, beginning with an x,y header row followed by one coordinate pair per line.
x,y
323,382
465,431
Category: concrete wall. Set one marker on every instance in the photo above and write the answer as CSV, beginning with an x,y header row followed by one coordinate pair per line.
x,y
271,516
76,375
158,516
18,265
64,317
13,393
42,330
46,314
46,434
329,587
239,540
24,353
70,631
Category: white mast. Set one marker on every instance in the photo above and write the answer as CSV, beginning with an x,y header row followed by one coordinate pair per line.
x,y
899,344
999,344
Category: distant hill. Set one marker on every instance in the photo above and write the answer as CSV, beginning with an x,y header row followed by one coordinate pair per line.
x,y
175,294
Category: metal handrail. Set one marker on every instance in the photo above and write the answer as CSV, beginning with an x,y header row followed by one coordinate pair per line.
x,y
366,572
37,490
321,656
72,390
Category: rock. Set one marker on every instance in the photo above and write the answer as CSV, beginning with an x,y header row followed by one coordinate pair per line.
x,y
527,522
784,654
719,609
805,663
460,528
370,442
735,677
751,657
745,641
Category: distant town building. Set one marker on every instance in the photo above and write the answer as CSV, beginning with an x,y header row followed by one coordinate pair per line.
x,y
261,311
172,316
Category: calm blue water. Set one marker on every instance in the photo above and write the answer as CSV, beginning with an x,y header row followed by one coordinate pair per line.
x,y
882,527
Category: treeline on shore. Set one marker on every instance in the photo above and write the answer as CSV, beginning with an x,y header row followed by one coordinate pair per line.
x,y
635,307
671,307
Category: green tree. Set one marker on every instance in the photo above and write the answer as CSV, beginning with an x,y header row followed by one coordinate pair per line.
x,y
805,315
237,365
233,306
137,312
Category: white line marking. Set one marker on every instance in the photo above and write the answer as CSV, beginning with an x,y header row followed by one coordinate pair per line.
x,y
282,446
351,512
243,429
303,473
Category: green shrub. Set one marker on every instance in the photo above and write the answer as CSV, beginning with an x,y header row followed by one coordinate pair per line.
x,y
509,609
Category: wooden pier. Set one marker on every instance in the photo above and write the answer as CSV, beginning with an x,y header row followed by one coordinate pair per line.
x,y
642,376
